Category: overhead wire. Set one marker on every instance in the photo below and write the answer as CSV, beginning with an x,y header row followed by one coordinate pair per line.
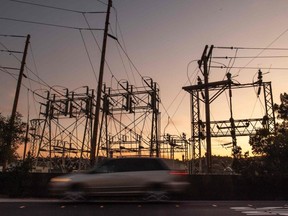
x,y
267,48
182,99
88,55
68,27
247,57
12,51
56,8
248,68
122,60
256,48
130,59
71,27
94,37
62,26
34,62
122,40
80,29
42,81
102,2
37,72
16,36
235,55
50,24
4,70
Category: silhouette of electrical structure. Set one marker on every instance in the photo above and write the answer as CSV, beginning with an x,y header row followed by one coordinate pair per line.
x,y
204,93
129,126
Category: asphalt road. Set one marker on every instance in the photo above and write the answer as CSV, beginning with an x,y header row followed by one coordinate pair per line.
x,y
27,207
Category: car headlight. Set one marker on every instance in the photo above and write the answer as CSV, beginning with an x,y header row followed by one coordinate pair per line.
x,y
60,180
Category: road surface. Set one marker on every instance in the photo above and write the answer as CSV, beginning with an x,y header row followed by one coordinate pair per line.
x,y
29,207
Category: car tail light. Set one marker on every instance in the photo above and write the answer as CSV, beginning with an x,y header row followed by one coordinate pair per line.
x,y
178,173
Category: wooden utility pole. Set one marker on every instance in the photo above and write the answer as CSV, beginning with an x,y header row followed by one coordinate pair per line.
x,y
99,89
16,98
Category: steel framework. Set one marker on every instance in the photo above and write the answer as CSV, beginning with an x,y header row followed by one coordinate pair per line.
x,y
63,130
130,122
129,126
226,128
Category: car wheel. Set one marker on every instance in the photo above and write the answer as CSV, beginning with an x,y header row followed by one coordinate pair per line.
x,y
156,192
74,193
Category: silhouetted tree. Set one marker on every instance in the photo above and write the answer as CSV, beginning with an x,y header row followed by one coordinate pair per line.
x,y
273,148
270,150
10,138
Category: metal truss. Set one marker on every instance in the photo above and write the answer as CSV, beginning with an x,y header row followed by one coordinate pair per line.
x,y
63,130
173,144
129,126
196,133
130,121
226,128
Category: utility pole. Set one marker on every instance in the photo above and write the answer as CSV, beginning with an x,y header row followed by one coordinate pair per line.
x,y
99,89
16,98
204,60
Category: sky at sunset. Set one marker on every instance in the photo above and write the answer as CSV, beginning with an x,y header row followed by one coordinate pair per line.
x,y
163,38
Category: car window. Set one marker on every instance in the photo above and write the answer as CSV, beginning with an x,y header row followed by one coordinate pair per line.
x,y
131,165
138,164
106,167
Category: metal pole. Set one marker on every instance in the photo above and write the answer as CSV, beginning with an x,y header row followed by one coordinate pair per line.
x,y
205,59
99,89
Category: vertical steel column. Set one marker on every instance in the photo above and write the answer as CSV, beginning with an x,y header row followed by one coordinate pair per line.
x,y
269,107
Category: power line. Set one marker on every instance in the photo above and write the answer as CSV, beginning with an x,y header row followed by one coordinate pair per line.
x,y
122,60
170,118
12,75
122,39
94,37
89,58
130,59
262,49
252,48
252,68
11,51
16,36
49,24
43,82
56,8
4,70
246,57
8,68
102,2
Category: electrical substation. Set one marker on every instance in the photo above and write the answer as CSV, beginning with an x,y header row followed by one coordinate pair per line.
x,y
77,128
129,126
130,123
61,137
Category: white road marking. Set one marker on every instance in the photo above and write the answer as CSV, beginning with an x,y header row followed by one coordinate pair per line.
x,y
262,211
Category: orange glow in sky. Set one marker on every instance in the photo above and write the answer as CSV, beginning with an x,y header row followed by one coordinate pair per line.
x,y
161,37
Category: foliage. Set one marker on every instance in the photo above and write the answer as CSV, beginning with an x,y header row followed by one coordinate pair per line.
x,y
270,150
11,137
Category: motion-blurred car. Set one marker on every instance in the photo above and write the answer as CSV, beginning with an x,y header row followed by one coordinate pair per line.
x,y
151,178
